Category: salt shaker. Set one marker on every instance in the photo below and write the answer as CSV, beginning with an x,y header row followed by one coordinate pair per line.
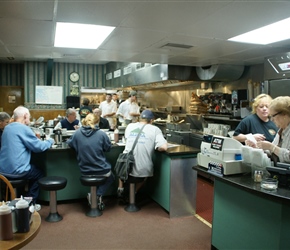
x,y
258,176
23,214
6,232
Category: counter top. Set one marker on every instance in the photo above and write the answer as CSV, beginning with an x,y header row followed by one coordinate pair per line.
x,y
174,149
245,181
181,150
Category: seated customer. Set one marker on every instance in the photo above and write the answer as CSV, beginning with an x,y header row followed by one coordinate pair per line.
x,y
103,122
151,139
18,141
71,122
280,147
258,124
4,120
90,144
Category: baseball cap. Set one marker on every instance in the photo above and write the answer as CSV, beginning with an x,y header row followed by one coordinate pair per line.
x,y
133,93
147,114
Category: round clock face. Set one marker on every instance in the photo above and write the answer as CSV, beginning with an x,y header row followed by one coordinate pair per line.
x,y
74,76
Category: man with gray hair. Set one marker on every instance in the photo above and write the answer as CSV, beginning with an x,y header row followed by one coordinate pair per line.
x,y
4,120
18,141
71,122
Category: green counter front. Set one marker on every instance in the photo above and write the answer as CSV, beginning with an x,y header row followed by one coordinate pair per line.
x,y
247,217
63,162
172,186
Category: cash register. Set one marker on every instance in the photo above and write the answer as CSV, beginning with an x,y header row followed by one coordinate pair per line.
x,y
221,156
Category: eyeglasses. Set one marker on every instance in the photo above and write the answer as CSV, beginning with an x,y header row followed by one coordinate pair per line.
x,y
272,116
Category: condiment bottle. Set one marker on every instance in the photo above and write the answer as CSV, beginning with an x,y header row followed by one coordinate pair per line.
x,y
23,214
6,232
258,176
116,135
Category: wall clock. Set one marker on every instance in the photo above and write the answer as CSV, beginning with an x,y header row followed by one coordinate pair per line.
x,y
74,77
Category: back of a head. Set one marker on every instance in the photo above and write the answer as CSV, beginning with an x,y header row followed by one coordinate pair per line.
x,y
147,115
4,116
20,112
90,120
86,101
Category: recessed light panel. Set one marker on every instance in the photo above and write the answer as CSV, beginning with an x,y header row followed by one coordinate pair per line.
x,y
272,33
83,36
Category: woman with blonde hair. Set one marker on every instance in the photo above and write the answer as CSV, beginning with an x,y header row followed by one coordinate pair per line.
x,y
258,123
90,144
280,114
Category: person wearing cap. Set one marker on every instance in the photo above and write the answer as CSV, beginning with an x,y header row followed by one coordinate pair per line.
x,y
129,110
109,109
151,139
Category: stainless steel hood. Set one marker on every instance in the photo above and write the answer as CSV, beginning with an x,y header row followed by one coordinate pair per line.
x,y
220,73
151,75
277,67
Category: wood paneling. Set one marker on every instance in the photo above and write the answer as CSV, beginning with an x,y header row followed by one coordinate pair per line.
x,y
5,92
47,114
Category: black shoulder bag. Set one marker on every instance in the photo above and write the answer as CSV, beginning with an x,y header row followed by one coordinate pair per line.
x,y
126,161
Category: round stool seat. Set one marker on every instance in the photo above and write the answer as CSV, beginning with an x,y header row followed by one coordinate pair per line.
x,y
18,183
133,179
52,183
92,180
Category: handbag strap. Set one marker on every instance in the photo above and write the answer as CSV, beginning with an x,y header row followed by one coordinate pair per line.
x,y
135,142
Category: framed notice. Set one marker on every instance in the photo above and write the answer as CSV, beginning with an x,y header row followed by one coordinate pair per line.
x,y
48,94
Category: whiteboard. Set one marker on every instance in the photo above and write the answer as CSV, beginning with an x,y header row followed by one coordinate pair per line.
x,y
48,94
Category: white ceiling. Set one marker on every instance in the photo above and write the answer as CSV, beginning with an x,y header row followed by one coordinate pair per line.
x,y
142,29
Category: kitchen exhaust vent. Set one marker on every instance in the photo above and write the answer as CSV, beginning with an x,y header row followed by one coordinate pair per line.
x,y
220,73
177,46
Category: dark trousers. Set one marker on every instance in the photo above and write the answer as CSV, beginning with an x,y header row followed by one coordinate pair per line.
x,y
33,175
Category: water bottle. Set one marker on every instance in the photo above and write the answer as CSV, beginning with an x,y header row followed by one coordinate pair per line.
x,y
6,232
23,216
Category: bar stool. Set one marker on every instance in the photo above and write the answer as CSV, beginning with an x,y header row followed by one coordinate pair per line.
x,y
132,207
93,181
16,181
52,184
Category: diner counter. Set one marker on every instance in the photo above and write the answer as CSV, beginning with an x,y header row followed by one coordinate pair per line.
x,y
245,216
172,185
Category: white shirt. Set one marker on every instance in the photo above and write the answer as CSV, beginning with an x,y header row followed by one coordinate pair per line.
x,y
108,108
126,108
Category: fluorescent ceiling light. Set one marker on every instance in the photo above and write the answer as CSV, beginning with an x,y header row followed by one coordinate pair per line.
x,y
272,33
83,36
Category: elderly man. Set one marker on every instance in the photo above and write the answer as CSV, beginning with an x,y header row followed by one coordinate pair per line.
x,y
103,123
18,141
71,122
4,120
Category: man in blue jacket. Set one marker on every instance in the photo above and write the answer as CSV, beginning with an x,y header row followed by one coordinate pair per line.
x,y
18,141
